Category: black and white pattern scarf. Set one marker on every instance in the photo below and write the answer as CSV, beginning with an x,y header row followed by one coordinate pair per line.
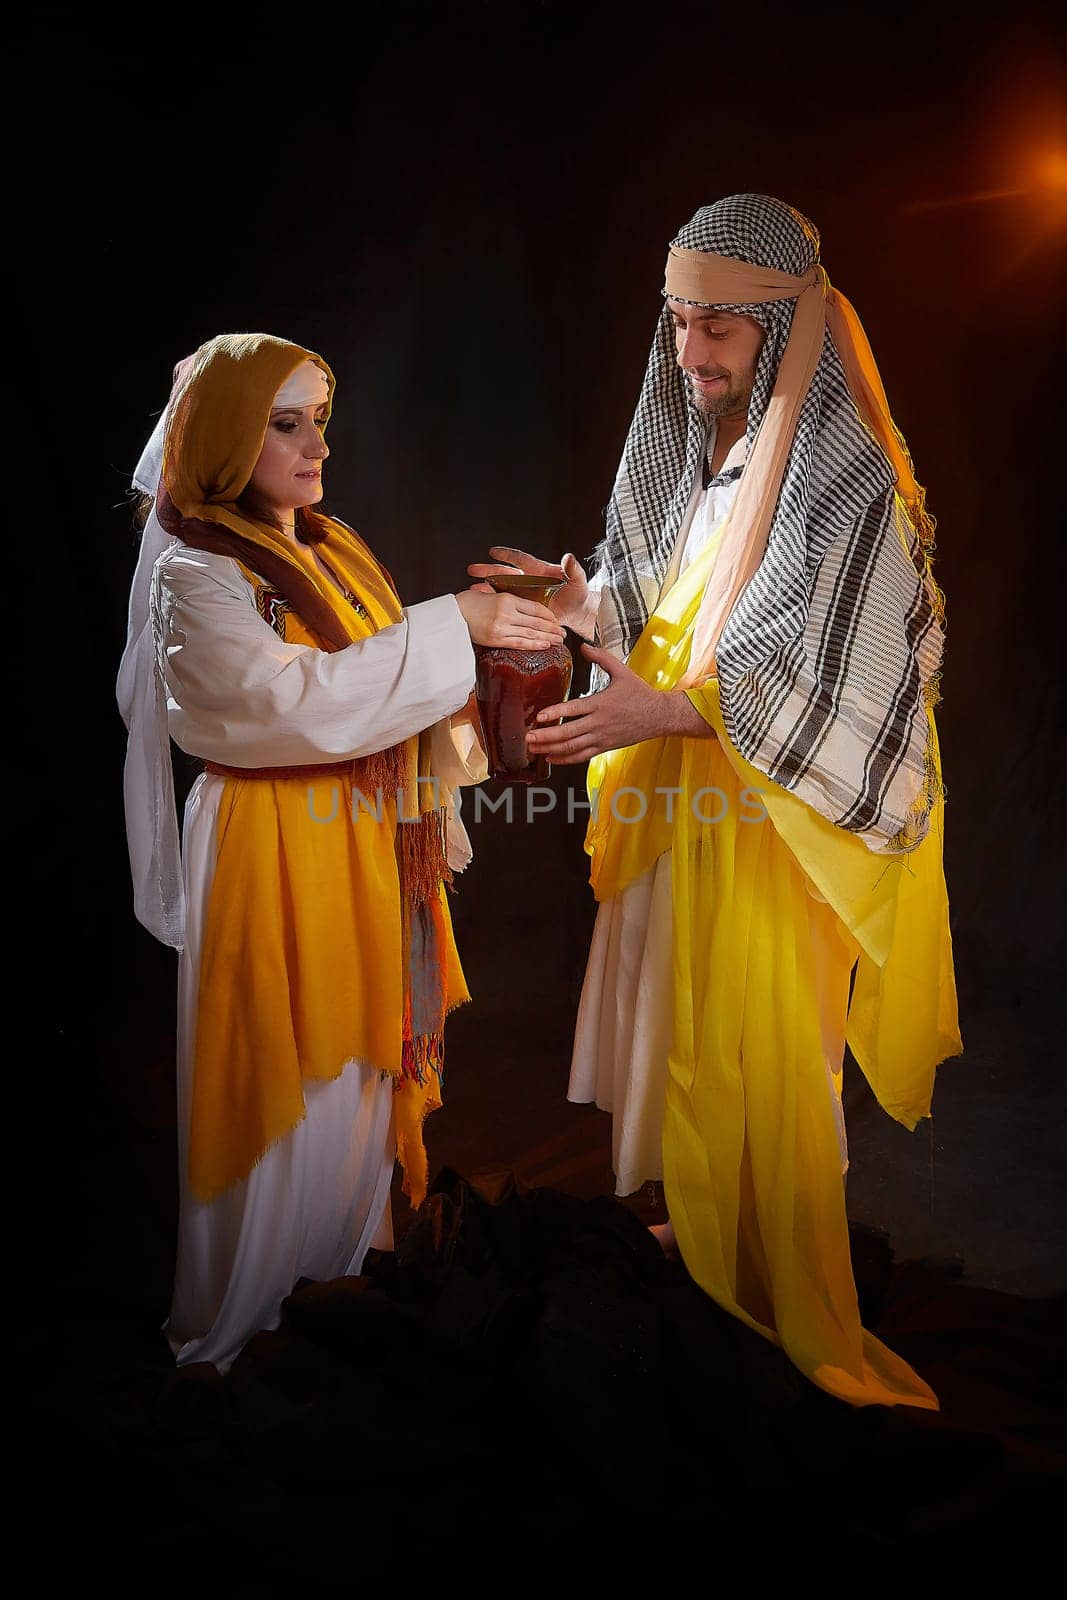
x,y
832,653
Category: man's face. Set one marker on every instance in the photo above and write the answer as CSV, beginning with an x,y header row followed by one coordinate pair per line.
x,y
719,351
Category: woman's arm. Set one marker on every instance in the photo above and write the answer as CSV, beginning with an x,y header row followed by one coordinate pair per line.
x,y
237,693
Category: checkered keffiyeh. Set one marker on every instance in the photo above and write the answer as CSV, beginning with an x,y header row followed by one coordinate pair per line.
x,y
831,654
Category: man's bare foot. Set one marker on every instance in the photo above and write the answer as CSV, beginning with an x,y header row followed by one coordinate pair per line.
x,y
663,1233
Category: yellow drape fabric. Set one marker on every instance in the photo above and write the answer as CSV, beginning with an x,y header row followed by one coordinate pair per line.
x,y
751,1158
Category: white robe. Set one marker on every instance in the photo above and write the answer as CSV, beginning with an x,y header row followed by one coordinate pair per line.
x,y
626,1012
238,694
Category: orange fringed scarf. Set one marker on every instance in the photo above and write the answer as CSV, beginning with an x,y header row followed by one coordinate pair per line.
x,y
326,942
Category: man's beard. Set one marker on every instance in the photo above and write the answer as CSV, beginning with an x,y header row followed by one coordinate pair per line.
x,y
734,398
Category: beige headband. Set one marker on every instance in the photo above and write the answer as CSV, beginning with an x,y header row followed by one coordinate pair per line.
x,y
709,279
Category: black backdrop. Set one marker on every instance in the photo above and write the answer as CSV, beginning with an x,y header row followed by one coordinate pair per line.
x,y
466,210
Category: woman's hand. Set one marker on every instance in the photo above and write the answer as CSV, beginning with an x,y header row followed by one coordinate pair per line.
x,y
507,622
624,713
574,605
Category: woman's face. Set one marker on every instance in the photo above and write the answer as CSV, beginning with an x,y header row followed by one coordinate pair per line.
x,y
288,473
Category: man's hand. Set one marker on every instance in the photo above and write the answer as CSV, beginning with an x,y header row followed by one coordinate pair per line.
x,y
574,605
626,712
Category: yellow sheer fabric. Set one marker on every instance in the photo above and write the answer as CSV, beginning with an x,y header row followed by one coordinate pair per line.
x,y
751,1157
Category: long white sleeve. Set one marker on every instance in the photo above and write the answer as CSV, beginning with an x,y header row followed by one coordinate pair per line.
x,y
237,693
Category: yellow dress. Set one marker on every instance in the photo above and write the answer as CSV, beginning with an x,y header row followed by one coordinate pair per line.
x,y
752,1170
304,954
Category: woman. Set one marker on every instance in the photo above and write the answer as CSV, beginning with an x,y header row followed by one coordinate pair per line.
x,y
317,958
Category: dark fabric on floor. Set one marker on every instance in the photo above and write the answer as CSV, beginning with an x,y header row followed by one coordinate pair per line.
x,y
529,1367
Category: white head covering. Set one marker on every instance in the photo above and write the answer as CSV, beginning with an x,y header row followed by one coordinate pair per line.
x,y
148,781
307,386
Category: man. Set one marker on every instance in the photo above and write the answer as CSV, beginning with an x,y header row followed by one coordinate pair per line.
x,y
768,632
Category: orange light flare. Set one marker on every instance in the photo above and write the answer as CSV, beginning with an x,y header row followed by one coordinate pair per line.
x,y
1049,174
1039,221
1053,170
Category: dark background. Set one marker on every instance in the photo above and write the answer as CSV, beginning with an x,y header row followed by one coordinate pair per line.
x,y
466,209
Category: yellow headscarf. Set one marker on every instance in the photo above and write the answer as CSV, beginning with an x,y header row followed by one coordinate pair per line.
x,y
219,421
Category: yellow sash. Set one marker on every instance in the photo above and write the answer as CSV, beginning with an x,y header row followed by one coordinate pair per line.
x,y
751,1158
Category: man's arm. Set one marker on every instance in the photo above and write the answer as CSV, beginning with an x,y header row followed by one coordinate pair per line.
x,y
624,713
